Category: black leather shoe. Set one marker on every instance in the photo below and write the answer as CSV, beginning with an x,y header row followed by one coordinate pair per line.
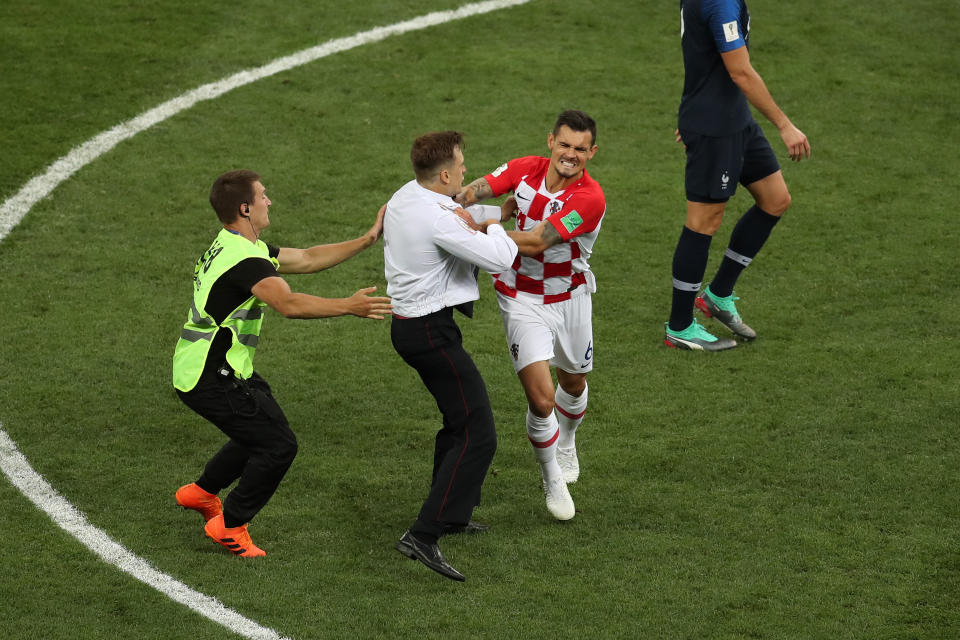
x,y
470,527
428,554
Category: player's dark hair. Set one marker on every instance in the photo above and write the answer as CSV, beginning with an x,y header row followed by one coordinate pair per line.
x,y
231,190
432,151
577,121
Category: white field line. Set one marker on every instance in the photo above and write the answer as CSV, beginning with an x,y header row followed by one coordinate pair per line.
x,y
16,467
16,207
13,464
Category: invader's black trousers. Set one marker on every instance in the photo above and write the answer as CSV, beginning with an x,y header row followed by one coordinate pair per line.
x,y
465,445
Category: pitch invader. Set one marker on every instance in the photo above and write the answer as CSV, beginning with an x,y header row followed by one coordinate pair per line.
x,y
725,146
545,298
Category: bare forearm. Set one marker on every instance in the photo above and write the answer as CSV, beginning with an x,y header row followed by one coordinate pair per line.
x,y
755,89
477,191
756,92
276,292
324,256
528,244
740,68
304,306
537,240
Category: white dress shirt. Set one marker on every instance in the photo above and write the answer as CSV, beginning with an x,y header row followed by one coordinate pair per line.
x,y
429,252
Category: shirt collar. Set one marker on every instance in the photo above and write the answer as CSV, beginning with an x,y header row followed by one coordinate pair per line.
x,y
445,201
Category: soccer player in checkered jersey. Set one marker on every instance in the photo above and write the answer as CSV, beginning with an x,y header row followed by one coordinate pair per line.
x,y
545,298
725,146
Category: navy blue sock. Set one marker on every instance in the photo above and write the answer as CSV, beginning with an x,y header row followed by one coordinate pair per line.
x,y
689,265
748,237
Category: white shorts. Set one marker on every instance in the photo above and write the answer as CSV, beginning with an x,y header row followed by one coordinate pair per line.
x,y
561,333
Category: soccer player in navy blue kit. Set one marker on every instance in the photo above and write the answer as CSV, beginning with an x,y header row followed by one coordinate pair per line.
x,y
724,146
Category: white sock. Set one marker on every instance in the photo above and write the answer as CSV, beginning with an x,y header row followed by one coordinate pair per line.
x,y
570,410
543,434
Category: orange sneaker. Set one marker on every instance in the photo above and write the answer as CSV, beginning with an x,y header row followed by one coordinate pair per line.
x,y
236,539
191,496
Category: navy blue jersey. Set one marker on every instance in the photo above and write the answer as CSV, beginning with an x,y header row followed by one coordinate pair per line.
x,y
712,104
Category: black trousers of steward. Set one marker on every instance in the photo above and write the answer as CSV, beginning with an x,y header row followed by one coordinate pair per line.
x,y
261,447
465,445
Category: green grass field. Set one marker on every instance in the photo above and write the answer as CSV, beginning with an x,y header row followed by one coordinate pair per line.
x,y
803,486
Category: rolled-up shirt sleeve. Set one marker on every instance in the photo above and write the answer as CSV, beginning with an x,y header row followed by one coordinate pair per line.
x,y
481,212
493,251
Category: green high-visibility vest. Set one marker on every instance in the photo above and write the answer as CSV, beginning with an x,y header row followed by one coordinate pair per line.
x,y
243,323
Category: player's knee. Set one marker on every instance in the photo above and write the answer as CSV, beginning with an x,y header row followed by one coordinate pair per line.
x,y
710,226
705,218
541,406
705,224
575,386
778,205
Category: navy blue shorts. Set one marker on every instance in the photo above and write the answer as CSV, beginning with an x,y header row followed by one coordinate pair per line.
x,y
716,165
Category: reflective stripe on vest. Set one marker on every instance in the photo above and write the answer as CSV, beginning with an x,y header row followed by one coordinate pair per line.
x,y
243,323
193,336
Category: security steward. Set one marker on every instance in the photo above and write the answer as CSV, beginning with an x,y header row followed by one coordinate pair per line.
x,y
432,249
213,371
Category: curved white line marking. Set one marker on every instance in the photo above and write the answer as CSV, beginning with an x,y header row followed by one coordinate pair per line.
x,y
16,467
12,211
16,207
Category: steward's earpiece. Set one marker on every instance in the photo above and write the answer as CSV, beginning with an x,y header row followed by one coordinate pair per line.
x,y
246,211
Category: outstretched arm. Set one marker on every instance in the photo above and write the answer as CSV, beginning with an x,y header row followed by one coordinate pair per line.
x,y
276,292
475,192
746,77
324,256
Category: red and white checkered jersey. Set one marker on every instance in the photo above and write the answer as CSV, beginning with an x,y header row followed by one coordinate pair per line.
x,y
561,272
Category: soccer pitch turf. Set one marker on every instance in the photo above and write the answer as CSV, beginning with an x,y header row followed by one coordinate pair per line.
x,y
803,486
